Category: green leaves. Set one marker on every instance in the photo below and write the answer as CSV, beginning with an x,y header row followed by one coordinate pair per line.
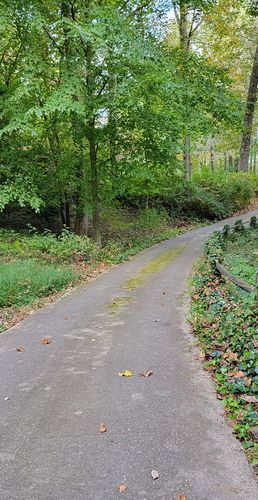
x,y
22,191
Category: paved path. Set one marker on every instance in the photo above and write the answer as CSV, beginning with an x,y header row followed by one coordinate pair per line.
x,y
50,446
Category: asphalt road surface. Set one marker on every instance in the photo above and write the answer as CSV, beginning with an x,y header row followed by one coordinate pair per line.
x,y
132,317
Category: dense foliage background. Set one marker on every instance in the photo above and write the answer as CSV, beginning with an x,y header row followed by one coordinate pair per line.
x,y
133,103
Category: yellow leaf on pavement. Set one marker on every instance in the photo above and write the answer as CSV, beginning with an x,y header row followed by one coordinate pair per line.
x,y
126,373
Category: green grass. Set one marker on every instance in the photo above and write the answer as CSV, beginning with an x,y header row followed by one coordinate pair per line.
x,y
23,281
241,255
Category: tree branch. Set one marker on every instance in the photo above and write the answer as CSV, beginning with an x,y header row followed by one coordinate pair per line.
x,y
53,40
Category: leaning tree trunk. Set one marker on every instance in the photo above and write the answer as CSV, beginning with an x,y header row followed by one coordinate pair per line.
x,y
248,118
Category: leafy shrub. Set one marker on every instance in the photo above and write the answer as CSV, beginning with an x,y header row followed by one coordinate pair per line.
x,y
214,248
152,218
212,196
239,226
253,222
64,248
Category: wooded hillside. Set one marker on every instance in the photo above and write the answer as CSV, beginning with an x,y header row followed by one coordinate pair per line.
x,y
133,103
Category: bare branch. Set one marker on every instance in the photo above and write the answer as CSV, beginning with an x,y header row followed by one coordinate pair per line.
x,y
194,28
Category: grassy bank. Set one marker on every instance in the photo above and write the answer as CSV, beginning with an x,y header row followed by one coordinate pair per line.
x,y
35,266
224,318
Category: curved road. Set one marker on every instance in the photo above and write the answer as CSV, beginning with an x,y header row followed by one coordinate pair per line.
x,y
132,317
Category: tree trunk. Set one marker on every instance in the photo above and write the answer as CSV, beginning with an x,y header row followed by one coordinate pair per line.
x,y
94,189
225,162
185,45
81,222
81,217
65,213
212,158
183,31
248,118
187,159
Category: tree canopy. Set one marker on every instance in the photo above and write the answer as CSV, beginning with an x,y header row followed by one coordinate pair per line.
x,y
96,98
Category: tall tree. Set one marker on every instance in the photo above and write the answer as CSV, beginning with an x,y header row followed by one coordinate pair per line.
x,y
189,16
249,116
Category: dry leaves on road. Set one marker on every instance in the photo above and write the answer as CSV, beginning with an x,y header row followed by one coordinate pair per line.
x,y
126,373
20,349
146,373
102,427
122,488
181,497
46,340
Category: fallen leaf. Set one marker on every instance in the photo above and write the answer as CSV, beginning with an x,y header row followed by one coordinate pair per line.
x,y
122,488
181,497
239,374
196,297
249,399
155,474
201,356
248,381
126,373
102,427
255,343
146,373
20,349
46,340
232,355
254,432
66,317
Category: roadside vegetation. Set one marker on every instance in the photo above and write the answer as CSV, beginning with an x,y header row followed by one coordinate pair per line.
x,y
36,265
224,319
37,262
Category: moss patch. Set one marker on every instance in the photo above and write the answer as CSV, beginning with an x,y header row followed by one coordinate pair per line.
x,y
116,303
154,266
